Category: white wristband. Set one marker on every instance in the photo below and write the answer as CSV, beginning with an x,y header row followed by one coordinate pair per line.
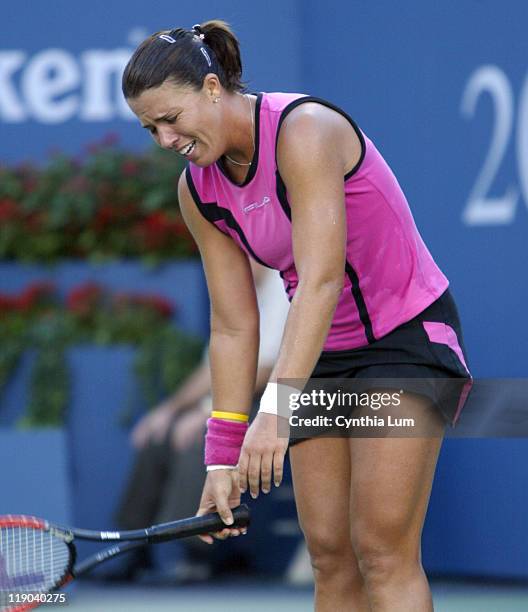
x,y
212,468
269,402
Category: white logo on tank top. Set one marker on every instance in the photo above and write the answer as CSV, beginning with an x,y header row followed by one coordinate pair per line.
x,y
255,205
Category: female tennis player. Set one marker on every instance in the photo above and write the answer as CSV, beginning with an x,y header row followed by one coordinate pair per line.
x,y
291,181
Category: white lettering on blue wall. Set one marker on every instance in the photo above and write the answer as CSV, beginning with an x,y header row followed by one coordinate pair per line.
x,y
53,86
509,127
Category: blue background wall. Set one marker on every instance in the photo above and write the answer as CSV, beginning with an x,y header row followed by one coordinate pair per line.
x,y
83,31
441,87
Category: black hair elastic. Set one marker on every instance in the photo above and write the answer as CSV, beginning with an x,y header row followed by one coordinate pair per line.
x,y
197,31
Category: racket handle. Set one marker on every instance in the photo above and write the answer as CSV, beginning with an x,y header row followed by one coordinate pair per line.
x,y
198,525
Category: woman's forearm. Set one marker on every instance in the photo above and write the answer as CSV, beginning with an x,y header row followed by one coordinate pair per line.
x,y
233,358
309,320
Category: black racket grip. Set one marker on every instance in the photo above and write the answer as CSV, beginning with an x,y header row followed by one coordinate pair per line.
x,y
197,525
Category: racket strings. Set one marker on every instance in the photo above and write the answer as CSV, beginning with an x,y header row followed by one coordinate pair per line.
x,y
31,560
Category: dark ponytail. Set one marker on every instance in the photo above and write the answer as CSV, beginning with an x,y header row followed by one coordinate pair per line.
x,y
185,57
220,38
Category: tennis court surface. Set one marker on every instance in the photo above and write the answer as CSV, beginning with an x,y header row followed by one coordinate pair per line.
x,y
448,597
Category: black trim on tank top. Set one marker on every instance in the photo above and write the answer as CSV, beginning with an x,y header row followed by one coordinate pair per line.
x,y
292,105
360,303
254,162
280,189
212,212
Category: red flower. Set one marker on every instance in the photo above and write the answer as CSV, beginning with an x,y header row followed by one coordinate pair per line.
x,y
152,302
28,299
10,211
30,184
178,228
107,141
83,300
129,210
110,139
152,231
93,148
105,190
77,184
34,294
34,221
8,303
106,215
159,230
157,221
160,304
130,167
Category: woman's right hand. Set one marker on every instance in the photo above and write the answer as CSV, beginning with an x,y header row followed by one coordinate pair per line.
x,y
262,454
221,492
154,426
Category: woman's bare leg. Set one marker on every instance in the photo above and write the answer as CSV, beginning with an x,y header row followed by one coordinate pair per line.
x,y
321,477
391,481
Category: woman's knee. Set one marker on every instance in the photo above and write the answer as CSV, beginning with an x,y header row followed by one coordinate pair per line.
x,y
379,559
330,551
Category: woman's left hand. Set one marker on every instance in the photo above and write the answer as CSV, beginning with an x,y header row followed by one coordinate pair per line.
x,y
220,494
262,455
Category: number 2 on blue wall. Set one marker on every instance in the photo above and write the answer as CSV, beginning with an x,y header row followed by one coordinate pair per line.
x,y
481,208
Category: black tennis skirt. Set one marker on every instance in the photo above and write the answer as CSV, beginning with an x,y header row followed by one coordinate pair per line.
x,y
426,356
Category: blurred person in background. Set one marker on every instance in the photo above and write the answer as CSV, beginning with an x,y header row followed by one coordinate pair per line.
x,y
167,477
291,181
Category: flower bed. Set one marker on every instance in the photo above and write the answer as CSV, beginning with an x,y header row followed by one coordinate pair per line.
x,y
38,319
106,204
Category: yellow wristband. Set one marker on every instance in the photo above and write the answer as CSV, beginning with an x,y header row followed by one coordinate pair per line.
x,y
232,416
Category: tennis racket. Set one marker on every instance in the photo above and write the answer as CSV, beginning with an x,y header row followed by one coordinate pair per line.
x,y
37,557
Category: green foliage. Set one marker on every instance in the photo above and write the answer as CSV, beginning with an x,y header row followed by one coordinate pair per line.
x,y
108,204
37,321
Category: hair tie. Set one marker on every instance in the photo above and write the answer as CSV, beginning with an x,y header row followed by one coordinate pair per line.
x,y
197,31
167,38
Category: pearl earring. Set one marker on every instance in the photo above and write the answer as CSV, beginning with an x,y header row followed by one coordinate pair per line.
x,y
217,99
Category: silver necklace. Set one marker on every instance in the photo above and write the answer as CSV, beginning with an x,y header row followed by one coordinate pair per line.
x,y
233,161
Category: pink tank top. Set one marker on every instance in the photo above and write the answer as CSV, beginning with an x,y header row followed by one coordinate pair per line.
x,y
389,277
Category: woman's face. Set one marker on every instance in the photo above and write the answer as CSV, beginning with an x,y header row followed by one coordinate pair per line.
x,y
182,119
